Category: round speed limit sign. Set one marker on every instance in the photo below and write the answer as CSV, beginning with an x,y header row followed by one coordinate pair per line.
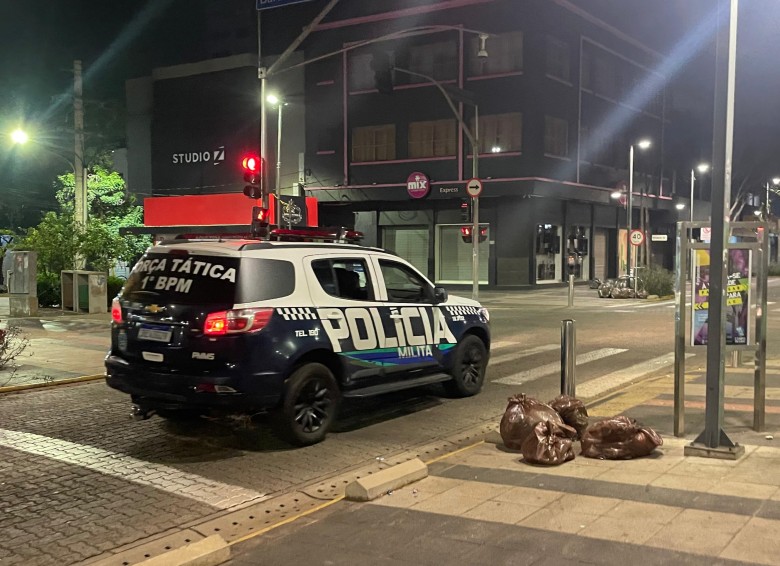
x,y
637,237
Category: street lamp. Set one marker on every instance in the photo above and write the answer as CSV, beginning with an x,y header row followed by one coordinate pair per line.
x,y
701,168
680,206
641,144
19,136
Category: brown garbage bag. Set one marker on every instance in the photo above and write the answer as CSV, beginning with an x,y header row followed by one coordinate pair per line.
x,y
619,438
572,411
549,444
521,415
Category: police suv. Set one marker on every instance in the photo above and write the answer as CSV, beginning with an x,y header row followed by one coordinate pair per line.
x,y
246,326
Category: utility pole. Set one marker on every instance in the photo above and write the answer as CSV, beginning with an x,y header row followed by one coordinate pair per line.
x,y
79,175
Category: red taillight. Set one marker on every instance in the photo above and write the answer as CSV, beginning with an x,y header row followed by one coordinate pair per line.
x,y
236,321
116,311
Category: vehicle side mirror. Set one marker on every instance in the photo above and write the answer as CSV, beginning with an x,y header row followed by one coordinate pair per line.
x,y
439,295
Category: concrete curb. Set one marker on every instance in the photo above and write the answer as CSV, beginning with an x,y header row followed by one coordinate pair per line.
x,y
371,487
210,551
54,383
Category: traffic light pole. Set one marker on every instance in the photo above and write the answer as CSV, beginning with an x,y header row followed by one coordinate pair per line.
x,y
475,210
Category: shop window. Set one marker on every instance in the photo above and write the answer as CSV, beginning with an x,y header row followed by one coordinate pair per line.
x,y
437,60
454,259
548,253
360,74
500,132
577,252
556,136
373,143
408,242
558,59
434,138
505,54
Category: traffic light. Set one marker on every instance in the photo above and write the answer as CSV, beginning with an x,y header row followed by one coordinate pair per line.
x,y
465,210
252,166
260,219
383,72
466,231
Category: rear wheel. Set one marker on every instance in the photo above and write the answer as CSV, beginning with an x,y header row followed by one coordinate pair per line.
x,y
310,404
468,368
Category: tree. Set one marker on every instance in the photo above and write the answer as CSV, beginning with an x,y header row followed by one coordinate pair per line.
x,y
110,207
59,240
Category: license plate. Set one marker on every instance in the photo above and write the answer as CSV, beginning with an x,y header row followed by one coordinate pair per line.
x,y
155,334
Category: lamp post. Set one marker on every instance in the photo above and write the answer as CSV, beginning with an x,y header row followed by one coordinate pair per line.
x,y
641,144
701,168
279,103
767,204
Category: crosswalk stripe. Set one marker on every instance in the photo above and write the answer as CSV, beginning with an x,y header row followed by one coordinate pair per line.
x,y
541,371
523,353
177,482
596,387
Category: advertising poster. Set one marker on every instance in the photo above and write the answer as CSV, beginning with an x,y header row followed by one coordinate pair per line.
x,y
622,251
737,297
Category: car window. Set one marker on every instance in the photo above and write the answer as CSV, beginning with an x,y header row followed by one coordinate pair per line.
x,y
344,278
404,285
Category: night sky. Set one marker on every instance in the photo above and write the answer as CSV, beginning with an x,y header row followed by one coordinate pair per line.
x,y
121,39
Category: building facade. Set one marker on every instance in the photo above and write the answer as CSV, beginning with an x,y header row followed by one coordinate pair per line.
x,y
555,97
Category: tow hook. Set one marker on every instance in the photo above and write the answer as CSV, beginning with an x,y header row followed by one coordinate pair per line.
x,y
141,414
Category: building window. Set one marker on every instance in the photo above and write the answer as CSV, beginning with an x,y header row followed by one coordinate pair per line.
x,y
373,143
587,70
505,55
436,60
557,59
435,138
605,77
500,132
556,136
361,77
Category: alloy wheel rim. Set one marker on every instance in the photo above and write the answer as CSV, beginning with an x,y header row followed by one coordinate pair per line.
x,y
472,365
311,407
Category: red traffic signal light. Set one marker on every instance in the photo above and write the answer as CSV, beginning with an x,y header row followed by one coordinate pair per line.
x,y
252,166
466,231
260,219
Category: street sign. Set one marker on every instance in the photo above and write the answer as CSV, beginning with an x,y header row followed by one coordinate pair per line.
x,y
265,4
637,237
474,188
659,238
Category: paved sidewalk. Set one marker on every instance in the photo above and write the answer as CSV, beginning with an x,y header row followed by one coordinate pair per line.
x,y
62,346
484,505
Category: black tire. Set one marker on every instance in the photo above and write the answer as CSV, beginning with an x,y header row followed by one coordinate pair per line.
x,y
310,404
468,368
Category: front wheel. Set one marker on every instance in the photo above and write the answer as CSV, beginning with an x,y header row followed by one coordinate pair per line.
x,y
468,368
310,405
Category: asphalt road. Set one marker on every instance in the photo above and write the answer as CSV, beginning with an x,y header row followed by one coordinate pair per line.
x,y
78,477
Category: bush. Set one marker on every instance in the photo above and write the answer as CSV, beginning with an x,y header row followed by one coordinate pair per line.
x,y
48,290
13,343
658,281
774,269
114,285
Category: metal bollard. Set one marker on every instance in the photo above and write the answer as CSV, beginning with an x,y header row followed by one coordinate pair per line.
x,y
568,357
571,290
